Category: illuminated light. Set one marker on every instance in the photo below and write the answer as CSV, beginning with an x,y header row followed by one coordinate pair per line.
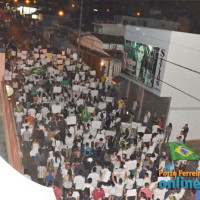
x,y
15,1
9,90
34,2
34,16
113,82
60,13
108,10
138,14
90,159
102,63
73,5
95,10
127,112
27,1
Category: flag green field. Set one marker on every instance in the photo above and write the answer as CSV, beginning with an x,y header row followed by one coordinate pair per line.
x,y
182,152
85,116
38,71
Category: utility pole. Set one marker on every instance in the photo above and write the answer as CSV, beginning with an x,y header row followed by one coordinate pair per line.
x,y
79,32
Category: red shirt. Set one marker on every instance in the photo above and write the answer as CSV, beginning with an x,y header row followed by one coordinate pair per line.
x,y
147,192
58,192
97,194
160,124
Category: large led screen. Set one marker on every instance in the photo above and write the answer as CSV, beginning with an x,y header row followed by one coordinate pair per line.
x,y
140,61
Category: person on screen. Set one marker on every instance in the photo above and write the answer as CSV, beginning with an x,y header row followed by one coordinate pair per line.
x,y
140,57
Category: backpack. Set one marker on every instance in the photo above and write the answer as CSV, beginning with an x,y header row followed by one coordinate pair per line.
x,y
86,193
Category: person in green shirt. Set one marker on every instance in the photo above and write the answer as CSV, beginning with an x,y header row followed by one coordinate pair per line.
x,y
131,118
34,90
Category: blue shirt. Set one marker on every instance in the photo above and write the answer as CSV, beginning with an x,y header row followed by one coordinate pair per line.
x,y
90,151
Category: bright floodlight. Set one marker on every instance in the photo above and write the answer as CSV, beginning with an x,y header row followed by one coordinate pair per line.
x,y
61,13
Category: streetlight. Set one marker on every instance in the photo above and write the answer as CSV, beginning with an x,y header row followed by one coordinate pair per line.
x,y
15,1
80,24
108,10
79,32
34,2
61,13
27,1
138,14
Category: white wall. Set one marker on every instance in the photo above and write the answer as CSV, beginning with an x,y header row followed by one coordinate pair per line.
x,y
184,49
179,118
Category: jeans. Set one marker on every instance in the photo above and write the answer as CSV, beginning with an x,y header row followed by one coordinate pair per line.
x,y
55,170
184,139
86,173
41,142
26,147
118,198
40,181
19,126
167,135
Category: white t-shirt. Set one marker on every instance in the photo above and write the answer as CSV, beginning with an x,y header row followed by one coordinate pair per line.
x,y
79,182
159,193
44,112
162,165
19,116
76,195
32,112
69,141
87,185
119,189
95,177
106,190
130,183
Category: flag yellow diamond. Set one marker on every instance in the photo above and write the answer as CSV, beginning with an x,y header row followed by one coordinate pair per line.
x,y
183,151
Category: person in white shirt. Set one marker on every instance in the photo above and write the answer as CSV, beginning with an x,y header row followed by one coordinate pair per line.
x,y
159,193
119,187
79,182
132,163
19,116
130,182
89,185
75,194
32,111
69,140
95,177
162,164
107,189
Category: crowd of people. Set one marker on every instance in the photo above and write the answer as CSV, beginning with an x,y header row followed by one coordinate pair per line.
x,y
72,126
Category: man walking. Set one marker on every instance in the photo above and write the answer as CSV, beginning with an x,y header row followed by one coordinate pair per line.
x,y
26,140
185,132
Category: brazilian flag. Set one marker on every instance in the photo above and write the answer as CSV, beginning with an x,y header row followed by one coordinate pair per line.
x,y
38,71
19,109
182,152
85,116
